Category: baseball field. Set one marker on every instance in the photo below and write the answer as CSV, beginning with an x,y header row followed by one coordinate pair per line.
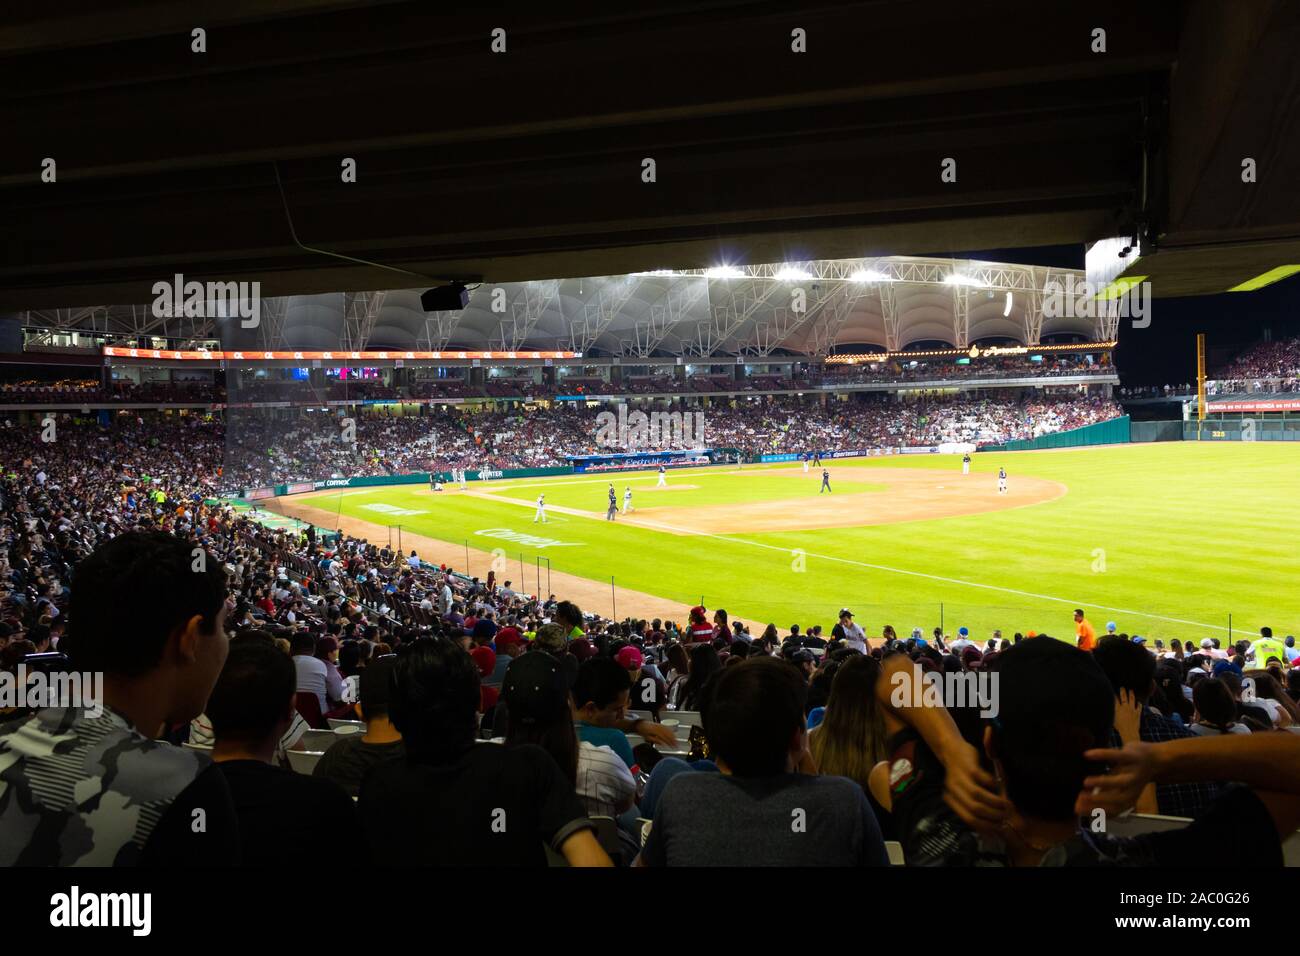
x,y
1167,540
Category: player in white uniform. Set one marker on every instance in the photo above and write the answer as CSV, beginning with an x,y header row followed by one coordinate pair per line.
x,y
1002,481
541,509
462,479
965,464
805,463
627,500
663,477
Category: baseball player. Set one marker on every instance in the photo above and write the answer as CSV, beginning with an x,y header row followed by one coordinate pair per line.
x,y
462,479
541,509
826,481
627,500
965,464
663,477
612,513
437,482
804,456
1002,481
817,459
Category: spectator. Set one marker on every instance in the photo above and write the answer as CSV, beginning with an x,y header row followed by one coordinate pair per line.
x,y
1056,711
283,816
758,811
349,758
450,802
850,740
1129,666
704,664
1216,711
540,713
154,627
600,697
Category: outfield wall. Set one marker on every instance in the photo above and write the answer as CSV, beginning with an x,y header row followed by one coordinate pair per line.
x,y
1243,429
1113,432
1168,430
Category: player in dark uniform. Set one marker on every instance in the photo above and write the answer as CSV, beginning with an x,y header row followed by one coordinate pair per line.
x,y
612,513
826,481
817,459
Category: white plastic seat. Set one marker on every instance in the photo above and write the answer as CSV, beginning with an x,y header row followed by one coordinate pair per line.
x,y
304,761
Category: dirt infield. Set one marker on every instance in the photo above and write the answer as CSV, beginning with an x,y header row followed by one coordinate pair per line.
x,y
592,596
912,494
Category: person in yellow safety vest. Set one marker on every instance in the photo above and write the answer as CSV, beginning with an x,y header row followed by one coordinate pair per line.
x,y
1267,646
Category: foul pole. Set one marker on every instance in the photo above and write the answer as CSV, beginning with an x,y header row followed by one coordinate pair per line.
x,y
1200,382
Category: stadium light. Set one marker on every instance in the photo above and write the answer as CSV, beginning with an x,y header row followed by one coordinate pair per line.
x,y
870,275
791,274
1006,310
1267,278
724,272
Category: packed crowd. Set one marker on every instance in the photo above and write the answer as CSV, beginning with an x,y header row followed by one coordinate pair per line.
x,y
791,426
83,391
490,726
646,742
248,448
1266,361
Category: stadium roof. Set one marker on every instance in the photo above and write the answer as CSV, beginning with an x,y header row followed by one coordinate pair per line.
x,y
808,308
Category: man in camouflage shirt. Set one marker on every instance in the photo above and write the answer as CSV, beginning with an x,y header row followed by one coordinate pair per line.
x,y
85,786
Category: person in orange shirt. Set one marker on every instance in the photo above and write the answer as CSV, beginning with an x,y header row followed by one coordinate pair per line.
x,y
1086,637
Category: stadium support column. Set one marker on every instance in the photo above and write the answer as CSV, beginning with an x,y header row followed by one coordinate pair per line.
x,y
1033,316
960,315
889,314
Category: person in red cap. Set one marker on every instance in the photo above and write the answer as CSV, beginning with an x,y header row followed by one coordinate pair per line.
x,y
699,630
509,641
648,692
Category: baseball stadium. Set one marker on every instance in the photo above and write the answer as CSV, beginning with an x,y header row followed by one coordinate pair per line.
x,y
817,459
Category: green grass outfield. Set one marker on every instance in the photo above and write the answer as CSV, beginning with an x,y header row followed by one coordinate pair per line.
x,y
1165,539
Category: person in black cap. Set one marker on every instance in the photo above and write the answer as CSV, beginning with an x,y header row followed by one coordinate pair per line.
x,y
536,691
347,761
806,661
